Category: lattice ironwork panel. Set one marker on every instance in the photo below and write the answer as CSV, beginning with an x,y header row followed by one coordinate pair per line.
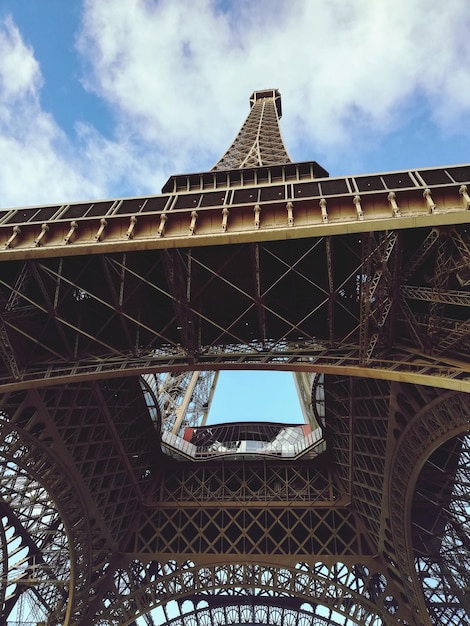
x,y
108,433
357,426
249,531
338,427
371,418
247,482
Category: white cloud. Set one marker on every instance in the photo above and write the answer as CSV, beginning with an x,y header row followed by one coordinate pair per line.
x,y
36,164
39,163
164,66
180,73
19,70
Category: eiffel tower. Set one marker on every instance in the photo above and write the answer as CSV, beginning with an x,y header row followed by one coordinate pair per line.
x,y
121,505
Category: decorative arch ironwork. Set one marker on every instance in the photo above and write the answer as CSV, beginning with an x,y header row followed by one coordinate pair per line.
x,y
46,538
441,428
353,591
251,609
441,542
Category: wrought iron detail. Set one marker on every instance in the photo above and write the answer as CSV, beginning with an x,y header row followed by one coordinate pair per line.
x,y
115,317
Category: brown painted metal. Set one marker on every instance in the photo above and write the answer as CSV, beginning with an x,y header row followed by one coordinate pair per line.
x,y
362,280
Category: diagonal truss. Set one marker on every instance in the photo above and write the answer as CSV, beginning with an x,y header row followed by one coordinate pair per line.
x,y
363,312
259,141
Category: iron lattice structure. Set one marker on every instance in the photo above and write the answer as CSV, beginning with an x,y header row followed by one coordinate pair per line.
x,y
259,142
358,284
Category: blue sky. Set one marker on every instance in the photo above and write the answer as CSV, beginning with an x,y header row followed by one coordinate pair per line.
x,y
100,98
248,396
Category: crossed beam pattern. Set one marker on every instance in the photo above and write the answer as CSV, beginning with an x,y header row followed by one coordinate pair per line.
x,y
382,301
359,283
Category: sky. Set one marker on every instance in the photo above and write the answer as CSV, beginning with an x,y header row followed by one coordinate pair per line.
x,y
103,99
250,396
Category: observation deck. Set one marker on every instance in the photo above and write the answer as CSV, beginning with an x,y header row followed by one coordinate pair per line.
x,y
248,440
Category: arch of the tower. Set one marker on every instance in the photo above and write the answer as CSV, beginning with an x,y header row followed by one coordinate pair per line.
x,y
429,542
45,537
334,592
218,611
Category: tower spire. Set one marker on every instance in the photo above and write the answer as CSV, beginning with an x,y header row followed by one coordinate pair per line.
x,y
259,141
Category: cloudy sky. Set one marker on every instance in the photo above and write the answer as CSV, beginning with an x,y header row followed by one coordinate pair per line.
x,y
100,98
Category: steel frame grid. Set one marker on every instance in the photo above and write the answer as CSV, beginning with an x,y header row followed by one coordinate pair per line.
x,y
78,331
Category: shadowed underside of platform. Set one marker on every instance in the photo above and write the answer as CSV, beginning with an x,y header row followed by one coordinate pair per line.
x,y
390,303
